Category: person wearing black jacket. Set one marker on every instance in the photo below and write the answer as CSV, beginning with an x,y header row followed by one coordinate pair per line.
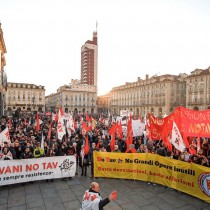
x,y
92,199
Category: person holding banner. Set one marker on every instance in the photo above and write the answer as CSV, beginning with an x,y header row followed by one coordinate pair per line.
x,y
92,199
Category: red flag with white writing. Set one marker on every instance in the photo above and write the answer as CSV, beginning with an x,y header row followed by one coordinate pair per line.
x,y
61,130
4,136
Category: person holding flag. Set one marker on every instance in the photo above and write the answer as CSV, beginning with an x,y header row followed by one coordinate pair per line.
x,y
84,157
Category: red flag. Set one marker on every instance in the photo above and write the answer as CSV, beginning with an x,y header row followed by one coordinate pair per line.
x,y
88,118
85,127
119,129
49,131
112,129
129,139
87,148
112,142
37,122
25,122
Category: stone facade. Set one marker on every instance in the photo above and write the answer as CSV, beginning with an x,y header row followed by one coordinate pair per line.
x,y
75,97
104,103
158,95
198,89
24,97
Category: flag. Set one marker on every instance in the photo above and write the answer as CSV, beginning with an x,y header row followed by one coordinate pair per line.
x,y
119,129
70,124
177,139
61,131
112,129
75,124
112,142
129,139
49,131
87,147
85,127
25,121
88,118
4,136
37,122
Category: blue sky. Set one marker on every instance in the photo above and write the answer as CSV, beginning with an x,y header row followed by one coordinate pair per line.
x,y
135,38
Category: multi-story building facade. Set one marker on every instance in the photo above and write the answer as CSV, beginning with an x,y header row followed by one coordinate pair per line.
x,y
75,97
24,97
89,61
104,103
158,95
3,82
198,89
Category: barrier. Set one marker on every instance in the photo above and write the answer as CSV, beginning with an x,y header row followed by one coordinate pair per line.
x,y
189,178
18,171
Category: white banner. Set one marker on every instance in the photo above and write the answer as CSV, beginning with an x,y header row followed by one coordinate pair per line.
x,y
176,138
138,128
17,171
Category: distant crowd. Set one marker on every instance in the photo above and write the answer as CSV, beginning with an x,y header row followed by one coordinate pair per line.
x,y
26,142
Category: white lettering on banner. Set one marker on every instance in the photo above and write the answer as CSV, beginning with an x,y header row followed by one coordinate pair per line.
x,y
176,138
17,171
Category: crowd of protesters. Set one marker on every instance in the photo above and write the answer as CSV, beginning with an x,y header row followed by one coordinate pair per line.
x,y
26,142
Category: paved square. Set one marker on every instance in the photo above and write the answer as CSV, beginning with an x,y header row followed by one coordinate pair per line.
x,y
67,194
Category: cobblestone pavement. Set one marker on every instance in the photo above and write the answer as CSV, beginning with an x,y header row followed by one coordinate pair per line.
x,y
67,194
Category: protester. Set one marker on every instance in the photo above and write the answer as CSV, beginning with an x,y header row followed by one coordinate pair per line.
x,y
38,151
92,199
91,158
83,161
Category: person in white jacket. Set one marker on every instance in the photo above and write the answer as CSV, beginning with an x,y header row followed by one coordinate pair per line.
x,y
92,199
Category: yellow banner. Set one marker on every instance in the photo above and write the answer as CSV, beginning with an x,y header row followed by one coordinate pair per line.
x,y
190,178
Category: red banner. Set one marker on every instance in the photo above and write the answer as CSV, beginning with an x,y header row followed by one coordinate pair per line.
x,y
190,123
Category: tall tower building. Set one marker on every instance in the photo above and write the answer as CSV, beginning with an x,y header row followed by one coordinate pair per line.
x,y
89,61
